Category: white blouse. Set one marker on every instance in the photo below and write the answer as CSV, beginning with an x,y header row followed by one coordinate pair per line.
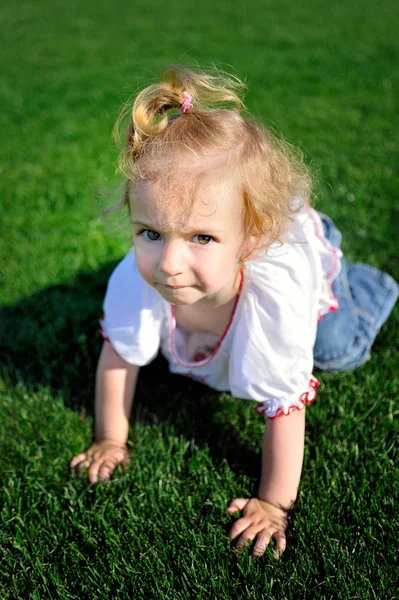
x,y
266,352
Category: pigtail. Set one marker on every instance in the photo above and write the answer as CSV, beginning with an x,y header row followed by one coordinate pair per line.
x,y
152,109
207,91
149,115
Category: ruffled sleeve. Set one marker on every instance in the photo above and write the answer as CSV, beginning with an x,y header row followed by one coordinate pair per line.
x,y
273,363
132,314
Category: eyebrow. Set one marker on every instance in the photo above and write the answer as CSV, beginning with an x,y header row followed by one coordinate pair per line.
x,y
188,231
141,224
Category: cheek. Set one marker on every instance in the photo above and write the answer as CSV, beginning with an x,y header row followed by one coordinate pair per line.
x,y
216,270
145,263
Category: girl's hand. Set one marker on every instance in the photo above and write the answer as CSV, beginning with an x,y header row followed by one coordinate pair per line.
x,y
260,519
101,459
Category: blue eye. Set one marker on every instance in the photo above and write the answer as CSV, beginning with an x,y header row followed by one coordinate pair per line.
x,y
150,236
203,240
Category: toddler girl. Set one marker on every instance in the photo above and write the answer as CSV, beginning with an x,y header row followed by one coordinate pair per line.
x,y
234,276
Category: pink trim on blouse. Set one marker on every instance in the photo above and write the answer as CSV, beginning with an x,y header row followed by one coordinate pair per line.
x,y
334,300
305,398
202,363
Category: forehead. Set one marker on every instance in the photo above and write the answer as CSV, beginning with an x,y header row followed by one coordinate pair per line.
x,y
210,203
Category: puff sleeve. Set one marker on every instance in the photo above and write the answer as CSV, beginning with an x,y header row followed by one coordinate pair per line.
x,y
132,314
273,362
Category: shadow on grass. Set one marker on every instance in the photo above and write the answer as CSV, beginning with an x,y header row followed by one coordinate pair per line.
x,y
52,339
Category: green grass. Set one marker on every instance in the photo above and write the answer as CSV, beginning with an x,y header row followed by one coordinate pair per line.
x,y
325,75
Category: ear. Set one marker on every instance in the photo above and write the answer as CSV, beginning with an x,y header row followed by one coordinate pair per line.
x,y
249,246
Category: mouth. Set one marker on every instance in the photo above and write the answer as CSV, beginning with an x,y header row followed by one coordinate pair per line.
x,y
175,287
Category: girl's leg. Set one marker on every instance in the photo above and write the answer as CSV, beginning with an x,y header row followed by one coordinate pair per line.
x,y
366,297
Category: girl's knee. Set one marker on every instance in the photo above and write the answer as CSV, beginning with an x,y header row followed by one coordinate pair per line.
x,y
340,353
340,346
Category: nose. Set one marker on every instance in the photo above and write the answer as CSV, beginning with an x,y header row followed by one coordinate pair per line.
x,y
172,259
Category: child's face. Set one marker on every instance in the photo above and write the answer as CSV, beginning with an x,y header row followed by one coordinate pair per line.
x,y
188,256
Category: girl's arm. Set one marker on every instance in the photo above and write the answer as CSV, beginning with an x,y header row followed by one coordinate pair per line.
x,y
265,517
115,387
282,457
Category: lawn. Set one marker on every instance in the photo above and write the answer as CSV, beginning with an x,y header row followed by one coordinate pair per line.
x,y
325,75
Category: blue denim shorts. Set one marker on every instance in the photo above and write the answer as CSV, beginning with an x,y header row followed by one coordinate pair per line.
x,y
366,298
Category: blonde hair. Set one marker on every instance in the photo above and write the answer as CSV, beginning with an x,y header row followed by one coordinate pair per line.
x,y
166,147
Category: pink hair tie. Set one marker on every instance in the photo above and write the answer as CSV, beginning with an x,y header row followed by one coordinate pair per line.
x,y
186,104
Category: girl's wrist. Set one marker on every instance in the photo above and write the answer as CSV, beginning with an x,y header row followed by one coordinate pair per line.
x,y
100,439
284,509
277,503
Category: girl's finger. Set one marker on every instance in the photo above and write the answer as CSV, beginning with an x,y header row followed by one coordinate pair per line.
x,y
245,539
106,470
85,464
79,458
239,526
261,544
237,504
93,472
281,544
